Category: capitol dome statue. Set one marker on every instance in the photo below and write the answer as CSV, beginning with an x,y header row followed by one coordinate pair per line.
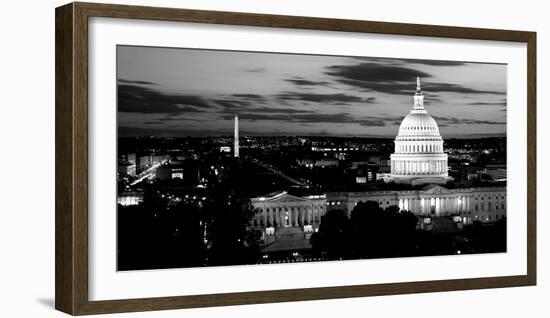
x,y
419,156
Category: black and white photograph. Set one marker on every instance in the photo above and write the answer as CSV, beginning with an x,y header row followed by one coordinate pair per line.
x,y
257,158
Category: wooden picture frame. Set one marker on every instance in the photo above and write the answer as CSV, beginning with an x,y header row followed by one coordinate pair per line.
x,y
71,89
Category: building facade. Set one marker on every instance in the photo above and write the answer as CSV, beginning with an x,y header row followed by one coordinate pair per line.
x,y
485,204
419,156
285,210
282,210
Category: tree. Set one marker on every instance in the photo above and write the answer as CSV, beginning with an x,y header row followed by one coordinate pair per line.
x,y
368,229
160,237
228,213
333,238
185,225
381,232
212,231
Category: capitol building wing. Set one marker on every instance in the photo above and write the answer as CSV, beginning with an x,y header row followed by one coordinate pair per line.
x,y
419,156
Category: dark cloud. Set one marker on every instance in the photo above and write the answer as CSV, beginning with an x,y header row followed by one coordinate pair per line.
x,y
391,79
388,88
394,79
232,104
137,99
502,103
373,72
415,61
324,98
269,110
435,62
431,99
249,96
175,118
465,121
237,106
125,81
446,87
408,88
373,123
300,81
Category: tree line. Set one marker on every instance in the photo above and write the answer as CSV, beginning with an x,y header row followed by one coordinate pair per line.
x,y
369,232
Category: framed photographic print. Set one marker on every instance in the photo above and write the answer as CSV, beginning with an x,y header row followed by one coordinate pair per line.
x,y
219,158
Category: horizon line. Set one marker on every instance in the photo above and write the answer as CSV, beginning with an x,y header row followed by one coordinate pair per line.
x,y
473,136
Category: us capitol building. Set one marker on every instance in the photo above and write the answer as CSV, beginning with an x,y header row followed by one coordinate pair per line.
x,y
419,160
419,156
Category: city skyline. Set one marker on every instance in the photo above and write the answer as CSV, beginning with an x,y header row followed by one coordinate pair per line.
x,y
174,92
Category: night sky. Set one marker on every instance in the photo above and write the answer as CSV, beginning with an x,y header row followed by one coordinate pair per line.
x,y
191,92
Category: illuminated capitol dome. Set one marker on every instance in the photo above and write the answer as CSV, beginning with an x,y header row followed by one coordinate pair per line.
x,y
419,156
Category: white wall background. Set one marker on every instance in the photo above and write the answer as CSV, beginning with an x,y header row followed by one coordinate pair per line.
x,y
27,158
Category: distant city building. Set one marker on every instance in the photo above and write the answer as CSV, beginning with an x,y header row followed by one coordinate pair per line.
x,y
365,174
360,179
285,210
419,156
128,157
187,171
127,168
340,149
130,198
225,149
322,162
496,171
383,175
158,159
144,161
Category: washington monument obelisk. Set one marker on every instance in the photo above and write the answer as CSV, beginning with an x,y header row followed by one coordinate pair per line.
x,y
236,141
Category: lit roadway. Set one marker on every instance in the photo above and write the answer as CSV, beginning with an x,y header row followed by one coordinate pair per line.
x,y
147,174
278,172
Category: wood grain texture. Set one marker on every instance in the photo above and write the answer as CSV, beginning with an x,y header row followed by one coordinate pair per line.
x,y
72,157
80,156
64,235
532,158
